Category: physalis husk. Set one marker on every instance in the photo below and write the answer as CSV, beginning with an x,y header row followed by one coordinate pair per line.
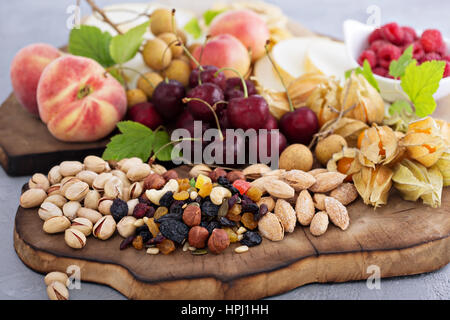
x,y
301,88
349,129
373,185
326,95
424,141
378,145
345,162
444,166
415,181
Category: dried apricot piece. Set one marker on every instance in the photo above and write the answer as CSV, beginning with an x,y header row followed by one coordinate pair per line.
x,y
205,189
183,184
255,194
248,220
181,196
166,246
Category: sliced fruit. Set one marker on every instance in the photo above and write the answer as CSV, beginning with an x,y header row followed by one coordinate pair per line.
x,y
266,76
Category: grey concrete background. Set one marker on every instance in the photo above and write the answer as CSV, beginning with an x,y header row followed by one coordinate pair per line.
x,y
27,21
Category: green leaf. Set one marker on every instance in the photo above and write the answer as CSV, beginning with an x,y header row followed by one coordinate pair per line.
x,y
397,67
124,47
160,146
91,42
368,74
420,83
135,140
349,72
192,182
193,28
209,15
399,106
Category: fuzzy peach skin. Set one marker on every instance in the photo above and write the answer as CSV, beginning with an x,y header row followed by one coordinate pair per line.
x,y
224,51
78,100
26,69
245,25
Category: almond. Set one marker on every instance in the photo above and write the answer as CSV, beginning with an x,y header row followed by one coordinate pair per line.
x,y
271,228
327,181
319,201
337,212
261,183
279,189
299,180
346,193
286,214
319,224
275,173
315,172
268,201
304,208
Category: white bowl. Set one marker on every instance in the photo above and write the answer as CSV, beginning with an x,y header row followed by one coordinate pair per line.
x,y
356,36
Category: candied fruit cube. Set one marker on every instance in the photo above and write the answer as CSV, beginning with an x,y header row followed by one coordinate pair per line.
x,y
152,226
255,194
205,190
248,220
231,235
160,212
242,186
201,180
166,246
184,184
181,196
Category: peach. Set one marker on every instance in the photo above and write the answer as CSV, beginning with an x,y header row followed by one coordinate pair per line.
x,y
245,25
224,51
26,69
78,100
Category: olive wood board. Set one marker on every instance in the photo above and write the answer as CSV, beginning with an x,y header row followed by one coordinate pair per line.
x,y
401,238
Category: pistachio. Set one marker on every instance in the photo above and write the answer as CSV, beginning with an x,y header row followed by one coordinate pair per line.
x,y
56,224
256,171
122,176
199,169
96,164
138,172
57,291
39,181
135,190
54,176
56,276
99,182
125,194
56,199
87,176
104,228
75,238
104,206
54,189
70,168
32,198
66,183
218,194
91,199
127,164
49,210
70,209
126,226
90,214
131,205
113,188
82,224
77,191
158,169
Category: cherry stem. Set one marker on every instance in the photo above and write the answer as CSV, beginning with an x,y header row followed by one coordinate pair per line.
x,y
187,100
291,105
244,84
153,158
139,73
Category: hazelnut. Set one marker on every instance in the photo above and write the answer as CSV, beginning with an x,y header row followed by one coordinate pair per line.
x,y
218,241
170,175
235,175
192,216
217,173
154,181
197,237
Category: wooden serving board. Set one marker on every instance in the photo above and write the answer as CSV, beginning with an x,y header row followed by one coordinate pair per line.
x,y
402,238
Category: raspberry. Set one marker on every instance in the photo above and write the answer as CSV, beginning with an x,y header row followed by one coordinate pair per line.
x,y
393,33
377,44
381,71
418,51
443,49
370,56
387,53
447,70
446,58
410,35
431,57
376,34
431,40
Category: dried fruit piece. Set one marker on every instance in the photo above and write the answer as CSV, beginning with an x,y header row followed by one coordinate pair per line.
x,y
166,246
304,208
201,180
161,211
286,214
337,212
235,210
346,193
271,228
242,186
415,181
184,185
319,224
152,226
373,185
299,180
254,193
327,181
174,230
251,239
138,243
248,220
205,189
181,196
231,235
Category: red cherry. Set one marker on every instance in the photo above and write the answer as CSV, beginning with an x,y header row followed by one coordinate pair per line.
x,y
264,142
146,114
300,126
248,113
271,123
208,92
185,117
232,150
207,75
234,88
168,99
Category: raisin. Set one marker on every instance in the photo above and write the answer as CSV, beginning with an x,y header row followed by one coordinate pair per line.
x,y
174,230
167,199
226,222
223,181
126,242
119,209
144,199
184,185
140,210
255,194
145,234
248,220
234,191
213,225
235,218
158,239
250,207
166,246
235,210
251,239
170,216
262,212
209,209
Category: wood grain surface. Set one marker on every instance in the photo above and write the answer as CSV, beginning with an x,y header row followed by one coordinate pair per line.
x,y
402,238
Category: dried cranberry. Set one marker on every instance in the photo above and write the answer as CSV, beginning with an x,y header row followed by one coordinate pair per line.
x,y
141,210
150,212
251,239
126,242
119,209
262,212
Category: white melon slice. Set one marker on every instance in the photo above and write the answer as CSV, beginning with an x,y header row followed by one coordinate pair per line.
x,y
328,57
266,76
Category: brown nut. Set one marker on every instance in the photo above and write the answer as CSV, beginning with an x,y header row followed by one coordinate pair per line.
x,y
104,228
170,175
39,181
192,216
197,237
218,241
75,238
57,291
217,173
32,198
235,175
154,181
